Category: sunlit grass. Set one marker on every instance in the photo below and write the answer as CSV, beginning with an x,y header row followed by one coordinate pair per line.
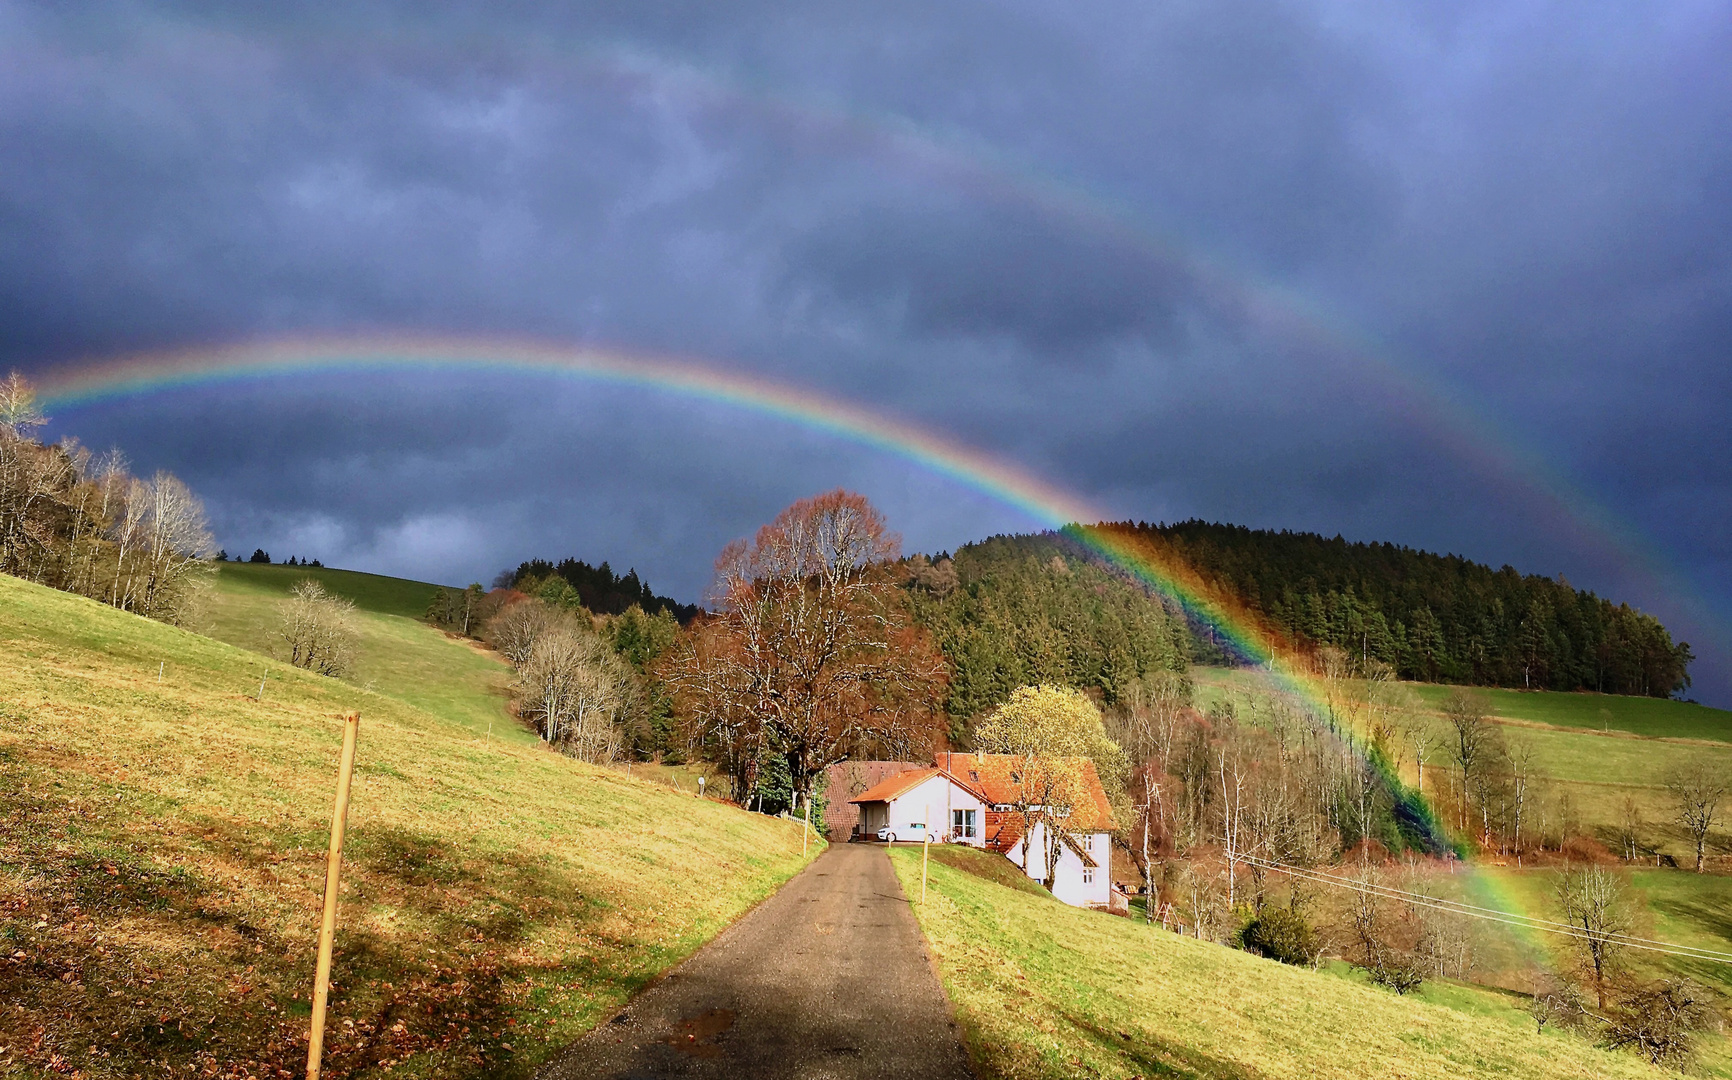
x,y
1044,990
397,654
162,854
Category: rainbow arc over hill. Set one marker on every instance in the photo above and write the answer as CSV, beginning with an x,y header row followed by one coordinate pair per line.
x,y
1155,568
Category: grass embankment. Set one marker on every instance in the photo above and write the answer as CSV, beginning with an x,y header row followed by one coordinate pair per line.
x,y
1045,990
162,859
397,654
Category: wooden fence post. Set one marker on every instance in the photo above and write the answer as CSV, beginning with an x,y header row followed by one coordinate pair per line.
x,y
333,871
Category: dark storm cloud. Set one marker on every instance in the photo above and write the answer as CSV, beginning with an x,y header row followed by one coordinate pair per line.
x,y
1216,259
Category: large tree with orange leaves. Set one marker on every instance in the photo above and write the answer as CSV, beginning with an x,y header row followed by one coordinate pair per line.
x,y
812,652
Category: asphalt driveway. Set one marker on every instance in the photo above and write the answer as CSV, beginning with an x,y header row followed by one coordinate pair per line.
x,y
827,978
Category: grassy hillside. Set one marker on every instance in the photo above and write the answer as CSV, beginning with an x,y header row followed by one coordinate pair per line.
x,y
1658,718
1595,748
370,592
1644,716
162,853
397,654
1044,990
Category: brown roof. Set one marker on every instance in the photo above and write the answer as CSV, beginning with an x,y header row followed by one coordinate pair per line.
x,y
991,775
892,786
847,779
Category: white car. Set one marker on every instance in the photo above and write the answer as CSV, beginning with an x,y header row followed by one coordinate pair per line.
x,y
913,833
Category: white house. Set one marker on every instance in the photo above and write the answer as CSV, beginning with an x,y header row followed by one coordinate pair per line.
x,y
973,798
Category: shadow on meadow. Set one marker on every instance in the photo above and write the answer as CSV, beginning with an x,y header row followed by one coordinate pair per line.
x,y
190,951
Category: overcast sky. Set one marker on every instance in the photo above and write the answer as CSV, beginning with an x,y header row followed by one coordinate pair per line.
x,y
1456,275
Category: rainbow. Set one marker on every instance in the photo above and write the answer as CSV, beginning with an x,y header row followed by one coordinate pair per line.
x,y
999,480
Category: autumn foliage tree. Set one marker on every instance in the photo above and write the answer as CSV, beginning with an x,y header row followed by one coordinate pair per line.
x,y
811,653
1053,733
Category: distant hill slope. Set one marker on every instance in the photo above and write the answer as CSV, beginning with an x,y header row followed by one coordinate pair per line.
x,y
162,858
370,592
1044,990
398,654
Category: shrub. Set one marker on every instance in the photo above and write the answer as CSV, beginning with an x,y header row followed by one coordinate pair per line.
x,y
1281,934
1660,1021
318,629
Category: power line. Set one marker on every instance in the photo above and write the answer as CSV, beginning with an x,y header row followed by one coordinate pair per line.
x,y
1689,952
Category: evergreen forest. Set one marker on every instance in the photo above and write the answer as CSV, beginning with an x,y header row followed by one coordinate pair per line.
x,y
598,588
1437,618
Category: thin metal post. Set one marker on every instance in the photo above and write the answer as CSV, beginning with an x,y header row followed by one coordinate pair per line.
x,y
333,871
925,845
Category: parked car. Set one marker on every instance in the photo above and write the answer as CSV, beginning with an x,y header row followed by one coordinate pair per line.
x,y
913,833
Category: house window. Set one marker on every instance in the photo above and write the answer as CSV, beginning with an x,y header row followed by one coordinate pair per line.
x,y
962,823
1088,875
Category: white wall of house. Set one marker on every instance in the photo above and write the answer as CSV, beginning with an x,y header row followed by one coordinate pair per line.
x,y
942,805
1073,882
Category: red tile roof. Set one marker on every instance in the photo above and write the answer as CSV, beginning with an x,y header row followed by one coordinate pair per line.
x,y
1004,829
992,775
892,786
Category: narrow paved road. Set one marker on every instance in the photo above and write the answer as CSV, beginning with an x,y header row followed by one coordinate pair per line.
x,y
827,978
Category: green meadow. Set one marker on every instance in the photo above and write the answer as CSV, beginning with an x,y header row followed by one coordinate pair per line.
x,y
162,852
397,654
1042,990
1595,748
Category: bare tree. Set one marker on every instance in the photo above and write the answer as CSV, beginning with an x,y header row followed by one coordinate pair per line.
x,y
1555,1002
516,628
318,629
1592,900
176,549
1661,1021
73,520
1630,829
1472,740
1146,725
813,645
1697,790
1520,758
1381,955
577,691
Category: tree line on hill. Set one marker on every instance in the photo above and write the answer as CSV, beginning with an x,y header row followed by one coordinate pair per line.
x,y
596,588
1436,618
80,521
1015,611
